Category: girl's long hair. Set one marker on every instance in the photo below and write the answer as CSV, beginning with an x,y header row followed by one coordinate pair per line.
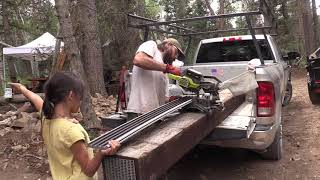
x,y
57,88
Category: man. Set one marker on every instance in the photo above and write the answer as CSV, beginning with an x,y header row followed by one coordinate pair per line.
x,y
149,83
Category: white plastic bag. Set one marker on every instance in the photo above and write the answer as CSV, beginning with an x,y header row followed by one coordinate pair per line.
x,y
240,84
7,93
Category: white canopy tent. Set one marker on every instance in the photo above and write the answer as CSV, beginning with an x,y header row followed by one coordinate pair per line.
x,y
37,50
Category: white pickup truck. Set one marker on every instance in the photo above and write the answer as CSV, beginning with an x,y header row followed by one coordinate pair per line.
x,y
256,124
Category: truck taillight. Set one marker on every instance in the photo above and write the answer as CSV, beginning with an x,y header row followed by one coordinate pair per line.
x,y
265,99
232,39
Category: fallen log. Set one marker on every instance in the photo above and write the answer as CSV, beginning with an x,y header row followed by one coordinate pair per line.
x,y
17,98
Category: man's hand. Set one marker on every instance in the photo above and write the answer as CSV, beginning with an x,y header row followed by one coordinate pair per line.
x,y
173,70
113,149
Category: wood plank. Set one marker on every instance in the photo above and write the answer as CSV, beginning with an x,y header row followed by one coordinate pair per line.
x,y
160,147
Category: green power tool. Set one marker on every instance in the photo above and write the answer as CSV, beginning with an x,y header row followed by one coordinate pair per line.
x,y
192,80
205,93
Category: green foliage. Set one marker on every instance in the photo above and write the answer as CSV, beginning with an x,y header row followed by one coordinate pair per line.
x,y
198,9
31,18
41,19
168,8
152,9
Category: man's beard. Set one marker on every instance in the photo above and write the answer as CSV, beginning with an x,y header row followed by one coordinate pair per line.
x,y
168,57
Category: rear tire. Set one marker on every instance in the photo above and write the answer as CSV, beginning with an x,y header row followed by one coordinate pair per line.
x,y
314,97
288,94
274,151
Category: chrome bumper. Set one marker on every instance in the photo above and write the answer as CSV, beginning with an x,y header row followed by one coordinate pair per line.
x,y
258,140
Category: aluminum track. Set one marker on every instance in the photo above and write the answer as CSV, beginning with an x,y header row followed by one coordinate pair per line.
x,y
136,125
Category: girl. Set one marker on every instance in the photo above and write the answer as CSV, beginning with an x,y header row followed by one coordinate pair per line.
x,y
65,139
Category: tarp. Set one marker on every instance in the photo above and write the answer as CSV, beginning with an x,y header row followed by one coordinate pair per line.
x,y
37,50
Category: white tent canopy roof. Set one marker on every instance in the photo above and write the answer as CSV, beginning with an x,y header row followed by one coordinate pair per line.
x,y
38,49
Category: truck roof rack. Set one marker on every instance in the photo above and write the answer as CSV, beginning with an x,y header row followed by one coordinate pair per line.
x,y
153,25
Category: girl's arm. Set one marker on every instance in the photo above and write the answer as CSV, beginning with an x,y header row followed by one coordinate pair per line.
x,y
90,166
33,97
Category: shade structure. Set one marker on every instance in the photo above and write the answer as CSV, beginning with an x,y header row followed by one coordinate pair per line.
x,y
37,50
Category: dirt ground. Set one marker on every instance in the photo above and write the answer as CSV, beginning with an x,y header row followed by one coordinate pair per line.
x,y
301,156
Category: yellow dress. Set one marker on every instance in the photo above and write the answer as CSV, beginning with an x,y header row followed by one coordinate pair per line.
x,y
58,136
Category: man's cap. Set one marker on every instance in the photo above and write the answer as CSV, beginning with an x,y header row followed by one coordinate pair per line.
x,y
177,45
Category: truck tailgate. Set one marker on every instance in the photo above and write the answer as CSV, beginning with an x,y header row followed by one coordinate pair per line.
x,y
240,124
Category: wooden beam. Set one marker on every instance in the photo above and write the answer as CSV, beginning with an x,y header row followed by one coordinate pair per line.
x,y
17,98
161,146
5,44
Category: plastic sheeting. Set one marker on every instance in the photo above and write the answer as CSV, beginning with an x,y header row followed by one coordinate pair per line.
x,y
240,84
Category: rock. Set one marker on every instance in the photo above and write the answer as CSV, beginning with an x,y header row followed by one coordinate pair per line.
x,y
16,166
37,127
20,123
35,115
41,152
5,165
103,106
38,165
19,148
5,131
8,120
28,121
27,107
295,158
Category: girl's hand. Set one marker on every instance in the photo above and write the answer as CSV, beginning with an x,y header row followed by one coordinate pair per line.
x,y
113,149
17,86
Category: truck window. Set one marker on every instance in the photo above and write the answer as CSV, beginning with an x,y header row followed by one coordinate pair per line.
x,y
230,51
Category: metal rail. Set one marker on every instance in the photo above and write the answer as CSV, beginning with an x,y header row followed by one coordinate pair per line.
x,y
135,122
227,30
170,25
200,18
125,131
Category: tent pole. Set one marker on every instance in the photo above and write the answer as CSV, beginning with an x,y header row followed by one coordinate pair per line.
x,y
4,71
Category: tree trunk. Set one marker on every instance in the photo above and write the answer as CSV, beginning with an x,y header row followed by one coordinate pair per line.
x,y
315,24
90,46
74,56
180,6
119,41
221,22
209,7
55,63
284,12
306,25
7,36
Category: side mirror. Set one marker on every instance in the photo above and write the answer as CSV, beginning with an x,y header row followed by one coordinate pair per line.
x,y
285,57
293,55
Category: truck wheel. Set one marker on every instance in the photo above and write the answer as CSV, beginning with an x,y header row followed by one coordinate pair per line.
x,y
288,94
314,97
274,151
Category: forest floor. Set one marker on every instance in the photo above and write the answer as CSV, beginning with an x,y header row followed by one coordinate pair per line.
x,y
22,155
